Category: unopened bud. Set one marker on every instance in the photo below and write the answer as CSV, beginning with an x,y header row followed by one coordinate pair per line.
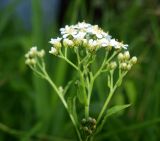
x,y
83,121
89,119
53,51
41,53
94,121
113,65
120,57
33,52
129,66
27,62
123,66
126,55
32,61
133,60
85,128
68,43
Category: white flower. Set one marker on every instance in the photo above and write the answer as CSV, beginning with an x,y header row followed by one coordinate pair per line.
x,y
82,25
92,43
117,44
96,31
53,51
78,38
103,42
68,43
106,35
125,46
68,30
56,42
114,43
80,35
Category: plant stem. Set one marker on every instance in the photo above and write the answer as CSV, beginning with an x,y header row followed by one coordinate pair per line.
x,y
89,95
65,105
46,76
108,98
105,106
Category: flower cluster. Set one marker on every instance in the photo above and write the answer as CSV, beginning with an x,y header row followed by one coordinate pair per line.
x,y
125,61
85,39
32,54
88,125
86,35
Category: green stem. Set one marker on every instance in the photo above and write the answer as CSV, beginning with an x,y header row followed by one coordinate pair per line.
x,y
46,76
67,60
108,98
89,95
105,106
65,105
112,90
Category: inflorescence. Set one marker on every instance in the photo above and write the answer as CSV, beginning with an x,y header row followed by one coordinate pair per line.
x,y
84,35
85,40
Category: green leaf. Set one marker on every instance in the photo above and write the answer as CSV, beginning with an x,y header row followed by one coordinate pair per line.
x,y
110,112
80,94
116,109
71,101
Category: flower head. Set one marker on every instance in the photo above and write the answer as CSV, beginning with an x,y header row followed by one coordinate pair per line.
x,y
86,34
32,55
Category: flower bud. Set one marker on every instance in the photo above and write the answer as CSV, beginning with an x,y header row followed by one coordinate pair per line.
x,y
94,127
56,42
94,121
53,51
27,62
77,42
108,48
120,57
133,60
27,55
68,43
32,61
84,42
113,65
129,66
33,52
41,53
85,128
126,55
83,121
123,66
61,89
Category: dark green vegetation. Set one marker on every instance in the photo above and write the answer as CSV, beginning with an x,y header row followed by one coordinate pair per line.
x,y
29,109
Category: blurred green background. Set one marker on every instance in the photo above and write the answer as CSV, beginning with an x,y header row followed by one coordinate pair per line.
x,y
29,109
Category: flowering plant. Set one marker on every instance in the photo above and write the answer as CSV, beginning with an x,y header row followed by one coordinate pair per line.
x,y
85,41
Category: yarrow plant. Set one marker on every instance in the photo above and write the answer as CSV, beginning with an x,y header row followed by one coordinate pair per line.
x,y
85,41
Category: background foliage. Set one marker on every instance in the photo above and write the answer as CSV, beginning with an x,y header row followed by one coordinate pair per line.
x,y
30,111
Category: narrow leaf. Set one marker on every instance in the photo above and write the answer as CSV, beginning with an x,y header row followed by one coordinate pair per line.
x,y
116,109
110,112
